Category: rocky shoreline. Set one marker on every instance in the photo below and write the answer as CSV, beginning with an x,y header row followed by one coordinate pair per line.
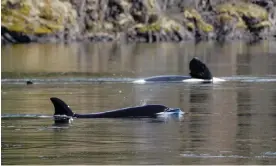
x,y
25,21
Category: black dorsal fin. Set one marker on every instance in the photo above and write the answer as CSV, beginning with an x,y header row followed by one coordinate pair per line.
x,y
61,108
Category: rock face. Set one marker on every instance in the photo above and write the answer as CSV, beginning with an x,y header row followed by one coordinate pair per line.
x,y
26,21
41,20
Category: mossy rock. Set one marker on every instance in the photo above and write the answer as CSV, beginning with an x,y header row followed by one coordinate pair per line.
x,y
166,24
192,17
36,16
262,24
243,12
155,27
225,18
170,24
148,11
124,22
243,9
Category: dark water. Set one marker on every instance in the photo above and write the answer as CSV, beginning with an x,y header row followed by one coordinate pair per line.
x,y
228,123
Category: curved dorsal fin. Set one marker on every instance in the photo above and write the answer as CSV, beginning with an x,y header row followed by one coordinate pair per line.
x,y
61,108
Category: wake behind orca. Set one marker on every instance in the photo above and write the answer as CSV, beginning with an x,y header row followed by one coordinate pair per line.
x,y
199,72
64,114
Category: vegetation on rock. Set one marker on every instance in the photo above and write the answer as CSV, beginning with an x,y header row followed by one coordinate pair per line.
x,y
193,20
249,15
37,17
102,20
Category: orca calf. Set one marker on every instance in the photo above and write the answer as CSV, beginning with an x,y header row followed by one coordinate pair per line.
x,y
199,72
63,113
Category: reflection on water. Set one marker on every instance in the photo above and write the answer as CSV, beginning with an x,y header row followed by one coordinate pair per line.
x,y
135,60
229,123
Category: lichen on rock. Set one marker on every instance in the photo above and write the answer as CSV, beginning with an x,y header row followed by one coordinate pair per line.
x,y
250,16
145,11
164,29
195,23
36,16
194,20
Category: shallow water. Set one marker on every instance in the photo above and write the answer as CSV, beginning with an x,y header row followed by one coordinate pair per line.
x,y
227,123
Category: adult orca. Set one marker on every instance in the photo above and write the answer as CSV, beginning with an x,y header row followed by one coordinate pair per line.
x,y
199,72
64,114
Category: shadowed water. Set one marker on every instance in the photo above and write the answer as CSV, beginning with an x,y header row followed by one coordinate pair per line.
x,y
227,123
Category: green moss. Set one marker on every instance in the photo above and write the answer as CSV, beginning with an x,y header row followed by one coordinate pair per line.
x,y
228,11
15,15
18,27
25,9
170,23
21,16
150,28
241,24
262,24
243,9
46,13
177,28
190,25
167,30
226,18
42,30
206,27
192,14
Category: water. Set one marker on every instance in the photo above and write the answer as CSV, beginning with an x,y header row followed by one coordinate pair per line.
x,y
227,123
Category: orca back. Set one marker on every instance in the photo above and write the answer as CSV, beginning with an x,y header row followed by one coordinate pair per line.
x,y
137,112
167,78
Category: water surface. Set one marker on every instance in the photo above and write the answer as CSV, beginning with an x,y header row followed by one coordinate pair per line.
x,y
227,123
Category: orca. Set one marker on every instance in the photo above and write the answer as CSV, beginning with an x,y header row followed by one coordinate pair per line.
x,y
199,72
64,114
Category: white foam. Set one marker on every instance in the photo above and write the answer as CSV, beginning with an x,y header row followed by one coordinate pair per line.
x,y
190,80
141,81
194,80
215,79
170,114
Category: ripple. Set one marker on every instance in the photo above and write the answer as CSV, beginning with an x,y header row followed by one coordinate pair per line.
x,y
116,80
263,155
24,116
250,79
65,80
211,156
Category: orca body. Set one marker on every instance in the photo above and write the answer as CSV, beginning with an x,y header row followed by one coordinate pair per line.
x,y
199,73
167,78
63,113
